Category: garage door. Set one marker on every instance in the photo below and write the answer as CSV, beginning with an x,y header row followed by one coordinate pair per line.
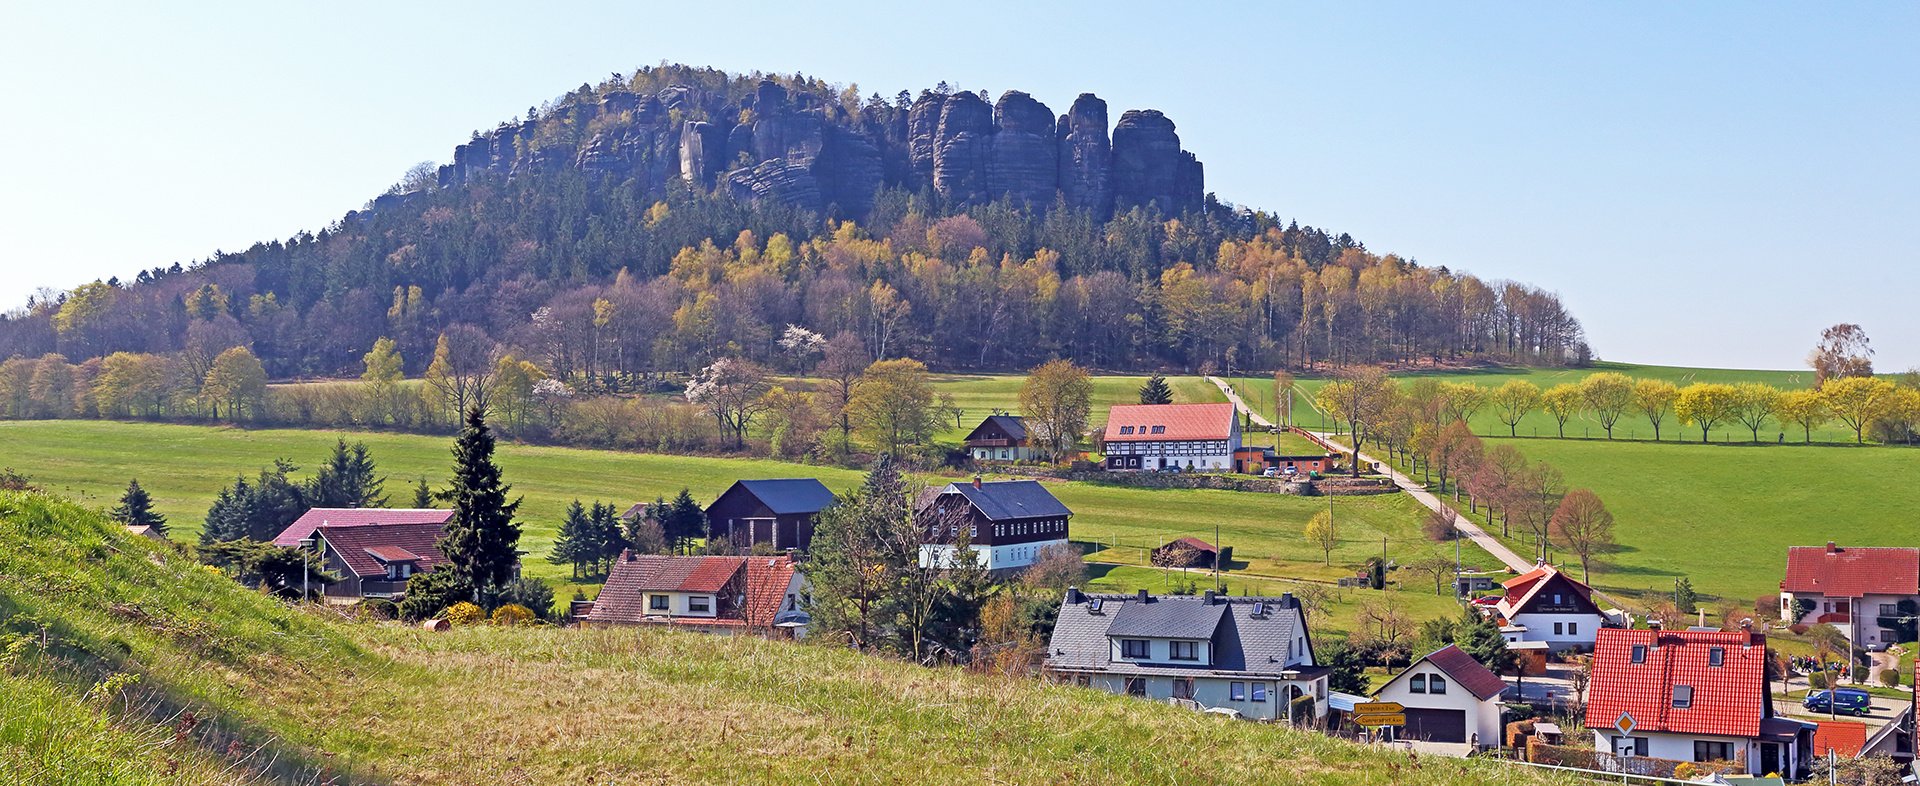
x,y
1435,725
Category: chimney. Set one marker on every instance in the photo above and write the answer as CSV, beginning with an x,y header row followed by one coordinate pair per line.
x,y
1286,600
1074,596
1831,549
976,484
1209,598
1144,597
626,555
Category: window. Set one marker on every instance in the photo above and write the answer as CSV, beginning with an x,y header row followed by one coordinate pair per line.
x,y
699,603
659,603
1183,687
1556,629
1159,429
1126,429
1887,610
1712,751
1136,686
1236,691
790,606
1573,628
1259,691
1183,650
1418,684
1682,696
1716,656
1133,648
1638,654
1436,685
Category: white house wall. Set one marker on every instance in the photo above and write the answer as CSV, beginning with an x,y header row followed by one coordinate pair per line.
x,y
1483,717
1540,628
1211,692
1679,747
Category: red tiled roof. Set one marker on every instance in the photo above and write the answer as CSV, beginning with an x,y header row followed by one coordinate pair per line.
x,y
1852,572
1467,672
1522,588
357,545
1728,700
1843,737
623,597
1181,421
314,518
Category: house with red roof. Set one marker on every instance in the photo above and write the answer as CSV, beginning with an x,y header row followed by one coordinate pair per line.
x,y
1449,697
1693,696
1192,437
727,595
300,532
375,560
1546,605
1858,590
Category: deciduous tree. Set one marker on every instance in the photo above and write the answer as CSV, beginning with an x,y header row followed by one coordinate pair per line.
x,y
1362,398
1583,527
732,391
1513,401
841,365
1842,352
1321,534
1563,401
894,406
1754,403
1608,395
1856,401
1705,404
1655,399
1056,399
1804,408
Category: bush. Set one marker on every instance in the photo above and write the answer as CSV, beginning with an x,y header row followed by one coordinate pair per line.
x,y
379,608
428,593
1685,771
1798,629
512,614
532,594
1890,678
463,613
1817,680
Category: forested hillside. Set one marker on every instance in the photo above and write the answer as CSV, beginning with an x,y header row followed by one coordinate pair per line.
x,y
658,221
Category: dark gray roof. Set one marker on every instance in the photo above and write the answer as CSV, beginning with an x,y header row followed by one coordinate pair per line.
x,y
1014,425
1242,642
1011,499
789,495
1161,618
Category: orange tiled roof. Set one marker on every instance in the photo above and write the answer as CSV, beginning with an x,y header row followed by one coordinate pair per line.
x,y
1175,421
1727,700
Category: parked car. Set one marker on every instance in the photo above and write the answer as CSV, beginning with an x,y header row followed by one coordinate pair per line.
x,y
1841,700
1269,472
1174,470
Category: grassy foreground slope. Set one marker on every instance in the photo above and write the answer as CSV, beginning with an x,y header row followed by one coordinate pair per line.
x,y
289,695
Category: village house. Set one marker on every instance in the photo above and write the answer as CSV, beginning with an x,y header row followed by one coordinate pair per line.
x,y
1547,605
300,532
375,560
1858,590
1449,697
727,595
1008,522
1000,438
1690,696
1255,460
779,512
1191,437
1253,656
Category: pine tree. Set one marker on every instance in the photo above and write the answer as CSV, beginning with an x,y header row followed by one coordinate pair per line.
x,y
608,541
136,509
1348,673
1479,637
481,538
1685,600
684,521
574,541
423,497
347,480
1156,390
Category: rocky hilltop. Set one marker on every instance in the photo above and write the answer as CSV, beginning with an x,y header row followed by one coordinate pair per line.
x,y
809,151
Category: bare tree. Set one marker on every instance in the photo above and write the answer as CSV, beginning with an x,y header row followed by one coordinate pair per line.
x,y
1536,497
844,360
1362,397
1842,352
732,390
464,364
1583,527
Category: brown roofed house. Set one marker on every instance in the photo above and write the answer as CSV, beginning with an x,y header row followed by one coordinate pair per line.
x,y
375,560
757,595
1186,552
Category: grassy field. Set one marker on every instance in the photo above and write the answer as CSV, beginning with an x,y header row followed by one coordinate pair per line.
x,y
184,467
1724,516
113,642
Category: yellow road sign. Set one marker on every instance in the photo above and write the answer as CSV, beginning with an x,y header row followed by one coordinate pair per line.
x,y
1380,720
1378,708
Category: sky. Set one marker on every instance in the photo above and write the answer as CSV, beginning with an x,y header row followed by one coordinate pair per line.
x,y
1704,184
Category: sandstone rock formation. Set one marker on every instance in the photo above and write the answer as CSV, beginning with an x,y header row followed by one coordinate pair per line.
x,y
807,149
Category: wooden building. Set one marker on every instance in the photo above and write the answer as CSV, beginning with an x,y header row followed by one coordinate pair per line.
x,y
1000,438
1008,522
375,560
777,511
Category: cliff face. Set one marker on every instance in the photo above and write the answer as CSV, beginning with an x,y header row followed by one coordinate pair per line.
x,y
810,152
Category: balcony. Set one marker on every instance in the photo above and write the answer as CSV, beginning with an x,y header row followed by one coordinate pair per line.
x,y
989,443
1833,617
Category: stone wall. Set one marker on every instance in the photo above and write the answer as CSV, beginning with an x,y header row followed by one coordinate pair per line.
x,y
1203,480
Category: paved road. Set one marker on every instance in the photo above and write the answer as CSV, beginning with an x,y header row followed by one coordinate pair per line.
x,y
1473,531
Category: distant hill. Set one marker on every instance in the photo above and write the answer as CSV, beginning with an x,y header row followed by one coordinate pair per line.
x,y
125,664
657,221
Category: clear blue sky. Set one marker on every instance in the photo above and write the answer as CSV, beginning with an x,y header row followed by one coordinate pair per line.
x,y
1704,184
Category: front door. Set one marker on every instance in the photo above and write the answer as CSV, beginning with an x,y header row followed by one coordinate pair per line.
x,y
1769,757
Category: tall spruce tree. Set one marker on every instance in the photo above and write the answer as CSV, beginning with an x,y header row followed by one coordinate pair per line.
x,y
258,511
1156,391
685,521
136,509
481,539
1478,636
608,541
423,496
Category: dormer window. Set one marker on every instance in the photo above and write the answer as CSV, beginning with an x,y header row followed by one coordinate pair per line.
x,y
1159,429
1183,650
1126,429
1418,684
1716,656
1638,654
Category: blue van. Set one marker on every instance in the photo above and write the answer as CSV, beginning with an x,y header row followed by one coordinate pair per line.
x,y
1843,700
